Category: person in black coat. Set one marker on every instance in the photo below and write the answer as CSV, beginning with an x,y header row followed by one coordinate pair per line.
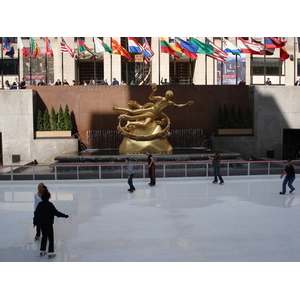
x,y
44,217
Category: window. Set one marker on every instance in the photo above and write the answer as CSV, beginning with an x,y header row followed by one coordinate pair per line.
x,y
10,66
273,66
298,67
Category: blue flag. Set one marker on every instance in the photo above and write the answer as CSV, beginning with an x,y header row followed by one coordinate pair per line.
x,y
8,47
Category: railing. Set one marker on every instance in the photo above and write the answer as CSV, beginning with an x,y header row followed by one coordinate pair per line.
x,y
163,170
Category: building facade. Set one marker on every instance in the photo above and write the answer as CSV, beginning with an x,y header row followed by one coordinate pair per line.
x,y
255,69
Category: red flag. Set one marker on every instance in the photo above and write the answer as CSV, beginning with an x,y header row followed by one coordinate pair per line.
x,y
283,54
271,43
21,46
118,49
48,47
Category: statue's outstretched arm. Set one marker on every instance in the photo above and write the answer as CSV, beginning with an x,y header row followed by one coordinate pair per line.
x,y
182,105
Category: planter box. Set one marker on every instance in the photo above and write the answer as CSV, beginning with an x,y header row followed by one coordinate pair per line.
x,y
235,131
53,134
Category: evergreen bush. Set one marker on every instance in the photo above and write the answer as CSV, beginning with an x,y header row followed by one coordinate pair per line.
x,y
39,121
60,119
53,119
46,120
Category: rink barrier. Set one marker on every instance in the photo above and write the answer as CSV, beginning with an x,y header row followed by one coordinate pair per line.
x,y
163,170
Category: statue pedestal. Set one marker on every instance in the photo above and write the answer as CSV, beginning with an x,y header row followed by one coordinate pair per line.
x,y
135,147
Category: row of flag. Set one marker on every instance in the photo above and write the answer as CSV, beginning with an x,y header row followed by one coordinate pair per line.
x,y
177,48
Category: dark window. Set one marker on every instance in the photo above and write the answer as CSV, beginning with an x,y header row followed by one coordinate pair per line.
x,y
273,66
81,38
10,66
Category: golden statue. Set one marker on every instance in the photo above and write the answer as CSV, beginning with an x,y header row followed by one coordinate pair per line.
x,y
143,129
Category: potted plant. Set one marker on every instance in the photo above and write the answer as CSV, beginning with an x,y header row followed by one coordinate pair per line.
x,y
54,126
232,123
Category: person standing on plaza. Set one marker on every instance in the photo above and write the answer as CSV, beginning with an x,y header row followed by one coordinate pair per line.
x,y
115,82
130,174
216,161
58,82
37,200
16,84
289,173
23,84
44,217
151,168
268,82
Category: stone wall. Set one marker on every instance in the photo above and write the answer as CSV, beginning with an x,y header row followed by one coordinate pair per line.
x,y
274,109
17,131
92,106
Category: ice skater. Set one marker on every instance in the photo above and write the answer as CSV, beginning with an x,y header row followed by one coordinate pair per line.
x,y
44,217
37,200
289,173
130,174
216,161
151,168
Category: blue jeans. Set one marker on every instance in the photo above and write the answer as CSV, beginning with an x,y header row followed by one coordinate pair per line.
x,y
288,181
131,187
217,174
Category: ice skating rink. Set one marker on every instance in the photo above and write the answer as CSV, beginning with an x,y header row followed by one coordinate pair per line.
x,y
186,220
178,220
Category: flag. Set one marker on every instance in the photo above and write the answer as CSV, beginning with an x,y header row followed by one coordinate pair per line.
x,y
271,43
202,47
283,54
230,48
250,48
83,47
147,50
187,48
34,48
21,46
264,51
100,46
8,47
65,48
169,48
134,45
118,49
48,47
219,54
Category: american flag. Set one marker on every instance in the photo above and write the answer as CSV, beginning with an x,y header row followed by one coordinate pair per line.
x,y
148,53
219,54
65,48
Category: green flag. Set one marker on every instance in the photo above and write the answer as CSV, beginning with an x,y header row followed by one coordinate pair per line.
x,y
203,47
82,47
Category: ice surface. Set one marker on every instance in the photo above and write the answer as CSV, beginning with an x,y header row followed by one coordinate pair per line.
x,y
178,220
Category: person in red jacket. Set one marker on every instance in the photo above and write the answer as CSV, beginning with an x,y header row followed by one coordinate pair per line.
x,y
44,217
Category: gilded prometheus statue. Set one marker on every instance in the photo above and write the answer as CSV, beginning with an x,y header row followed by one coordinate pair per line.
x,y
145,122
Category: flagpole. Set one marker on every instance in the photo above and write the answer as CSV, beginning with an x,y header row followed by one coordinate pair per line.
x,y
205,69
2,63
95,73
295,59
30,75
159,61
264,61
62,65
46,67
95,76
236,66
